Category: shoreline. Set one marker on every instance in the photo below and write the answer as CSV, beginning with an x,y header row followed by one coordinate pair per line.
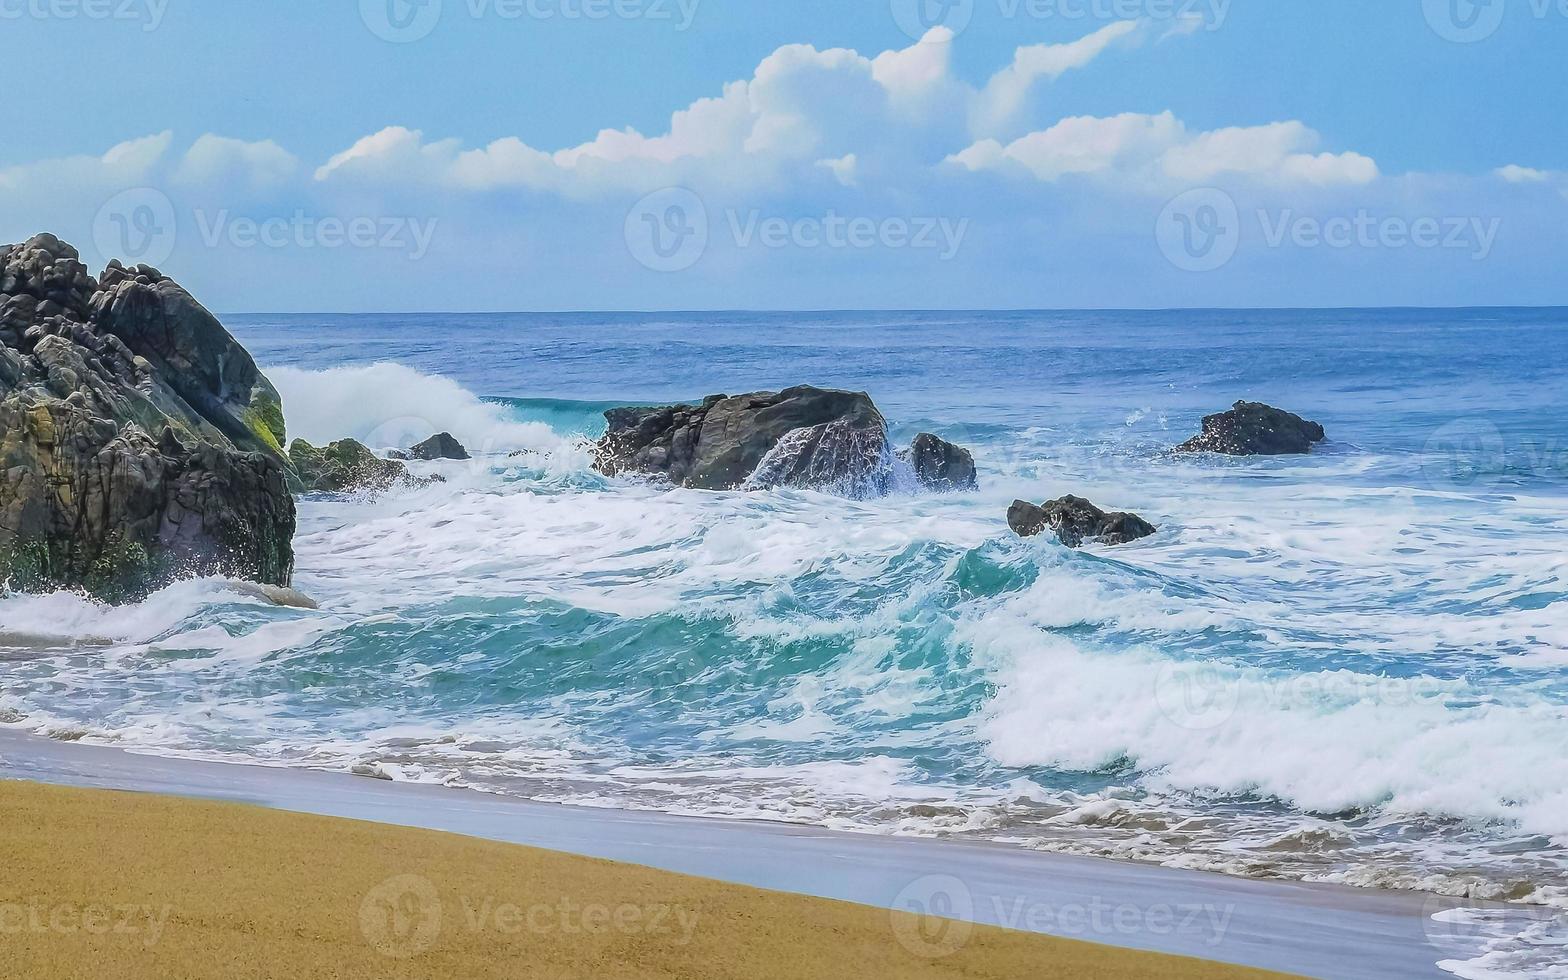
x,y
216,888
1311,929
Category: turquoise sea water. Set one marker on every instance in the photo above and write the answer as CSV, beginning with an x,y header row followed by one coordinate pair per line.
x,y
1350,666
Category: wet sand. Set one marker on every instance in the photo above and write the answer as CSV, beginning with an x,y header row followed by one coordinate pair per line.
x,y
1315,930
101,883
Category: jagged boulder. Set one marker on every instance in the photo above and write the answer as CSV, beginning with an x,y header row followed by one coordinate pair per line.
x,y
1075,520
1255,429
939,465
439,446
118,471
801,437
344,466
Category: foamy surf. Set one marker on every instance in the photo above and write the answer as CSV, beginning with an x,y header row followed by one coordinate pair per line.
x,y
1324,668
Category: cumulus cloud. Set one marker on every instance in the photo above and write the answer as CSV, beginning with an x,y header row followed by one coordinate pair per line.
x,y
217,158
1155,149
1004,97
1515,174
124,164
802,106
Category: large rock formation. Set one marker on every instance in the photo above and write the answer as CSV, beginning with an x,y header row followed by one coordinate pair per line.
x,y
1254,429
138,441
802,437
1075,520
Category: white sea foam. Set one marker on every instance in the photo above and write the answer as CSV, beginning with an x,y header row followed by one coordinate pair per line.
x,y
392,406
1292,645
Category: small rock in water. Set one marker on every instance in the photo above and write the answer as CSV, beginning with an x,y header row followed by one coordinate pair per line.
x,y
940,465
439,446
1075,520
1255,429
347,465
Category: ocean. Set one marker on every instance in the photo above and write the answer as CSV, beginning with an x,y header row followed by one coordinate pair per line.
x,y
1350,666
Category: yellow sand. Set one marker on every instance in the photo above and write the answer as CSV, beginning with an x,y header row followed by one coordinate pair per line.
x,y
96,884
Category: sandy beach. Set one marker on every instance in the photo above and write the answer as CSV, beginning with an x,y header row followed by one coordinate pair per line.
x,y
154,843
160,886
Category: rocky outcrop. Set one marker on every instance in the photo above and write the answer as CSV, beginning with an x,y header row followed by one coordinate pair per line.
x,y
1075,520
801,437
138,442
439,446
345,466
1255,429
939,465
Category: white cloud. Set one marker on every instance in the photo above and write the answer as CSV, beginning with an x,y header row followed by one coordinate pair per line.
x,y
1154,149
123,165
901,109
1515,174
214,158
1004,97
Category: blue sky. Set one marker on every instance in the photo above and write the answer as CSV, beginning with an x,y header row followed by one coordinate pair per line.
x,y
1028,153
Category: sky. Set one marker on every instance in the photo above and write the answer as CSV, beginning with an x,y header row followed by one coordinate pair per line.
x,y
457,155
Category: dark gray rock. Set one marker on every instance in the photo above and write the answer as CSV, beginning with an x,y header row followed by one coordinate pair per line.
x,y
125,436
1075,520
439,446
939,465
1255,429
802,437
346,466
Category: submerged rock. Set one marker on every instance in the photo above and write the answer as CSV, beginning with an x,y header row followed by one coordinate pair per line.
x,y
345,466
1075,520
439,446
1255,429
939,465
801,437
139,444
